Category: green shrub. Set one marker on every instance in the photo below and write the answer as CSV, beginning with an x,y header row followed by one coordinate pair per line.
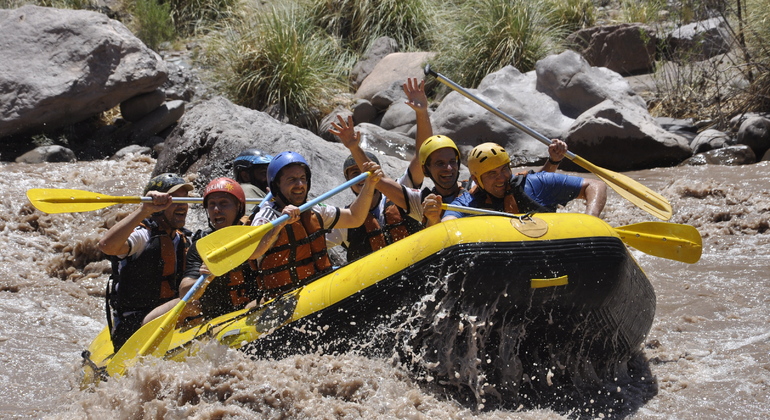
x,y
641,11
572,15
277,58
152,22
359,22
192,16
490,34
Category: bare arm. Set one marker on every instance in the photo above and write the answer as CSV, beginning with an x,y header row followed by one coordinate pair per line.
x,y
418,101
350,138
115,241
594,192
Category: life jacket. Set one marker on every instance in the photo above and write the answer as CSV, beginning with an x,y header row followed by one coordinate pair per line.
x,y
370,236
231,291
515,201
298,254
153,277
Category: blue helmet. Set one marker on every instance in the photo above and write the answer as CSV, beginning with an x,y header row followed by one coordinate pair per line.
x,y
248,159
280,161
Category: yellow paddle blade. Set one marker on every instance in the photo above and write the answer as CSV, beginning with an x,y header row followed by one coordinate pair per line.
x,y
633,191
225,249
55,200
666,240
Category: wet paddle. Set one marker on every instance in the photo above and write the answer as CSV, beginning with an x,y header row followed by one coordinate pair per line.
x,y
55,200
672,241
225,249
631,190
153,337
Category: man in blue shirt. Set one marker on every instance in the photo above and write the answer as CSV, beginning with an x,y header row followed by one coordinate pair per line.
x,y
500,190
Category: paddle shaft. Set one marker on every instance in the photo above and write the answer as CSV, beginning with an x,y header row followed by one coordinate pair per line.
x,y
256,235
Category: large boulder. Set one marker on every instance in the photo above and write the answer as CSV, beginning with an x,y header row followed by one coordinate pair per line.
x,y
621,137
549,100
701,40
58,67
514,93
396,67
628,48
211,134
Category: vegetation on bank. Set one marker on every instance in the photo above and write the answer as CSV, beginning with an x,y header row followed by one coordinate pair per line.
x,y
290,57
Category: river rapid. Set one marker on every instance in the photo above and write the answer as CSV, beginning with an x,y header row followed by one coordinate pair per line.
x,y
708,350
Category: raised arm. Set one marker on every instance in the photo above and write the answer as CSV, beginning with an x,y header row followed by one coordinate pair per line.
x,y
556,152
350,138
115,241
418,101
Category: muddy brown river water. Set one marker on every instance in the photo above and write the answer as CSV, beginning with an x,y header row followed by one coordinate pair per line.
x,y
708,350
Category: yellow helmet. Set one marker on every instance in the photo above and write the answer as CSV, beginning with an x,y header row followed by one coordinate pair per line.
x,y
434,143
485,157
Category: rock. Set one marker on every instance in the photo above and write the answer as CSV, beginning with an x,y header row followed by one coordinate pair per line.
x,y
683,127
53,153
628,48
383,99
577,86
709,140
211,134
396,67
398,116
621,138
363,111
700,40
131,150
326,122
731,156
387,142
755,133
133,109
380,48
151,124
514,93
75,63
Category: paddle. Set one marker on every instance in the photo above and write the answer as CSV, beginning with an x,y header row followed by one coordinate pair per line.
x,y
55,200
672,241
225,249
153,337
631,190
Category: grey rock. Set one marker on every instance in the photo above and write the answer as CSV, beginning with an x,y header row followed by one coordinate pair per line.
x,y
396,67
398,115
133,109
755,133
131,150
730,156
701,40
76,64
709,140
53,153
628,48
363,111
380,48
332,117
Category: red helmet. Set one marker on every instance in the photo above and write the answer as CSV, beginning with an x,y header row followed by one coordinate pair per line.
x,y
226,185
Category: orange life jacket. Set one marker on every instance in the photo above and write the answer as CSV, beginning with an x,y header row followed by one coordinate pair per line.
x,y
298,254
370,236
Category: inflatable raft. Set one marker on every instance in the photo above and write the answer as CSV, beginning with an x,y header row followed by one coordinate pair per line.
x,y
479,302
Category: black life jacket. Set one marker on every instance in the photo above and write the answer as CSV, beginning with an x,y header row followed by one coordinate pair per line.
x,y
298,255
231,291
153,277
515,201
370,236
